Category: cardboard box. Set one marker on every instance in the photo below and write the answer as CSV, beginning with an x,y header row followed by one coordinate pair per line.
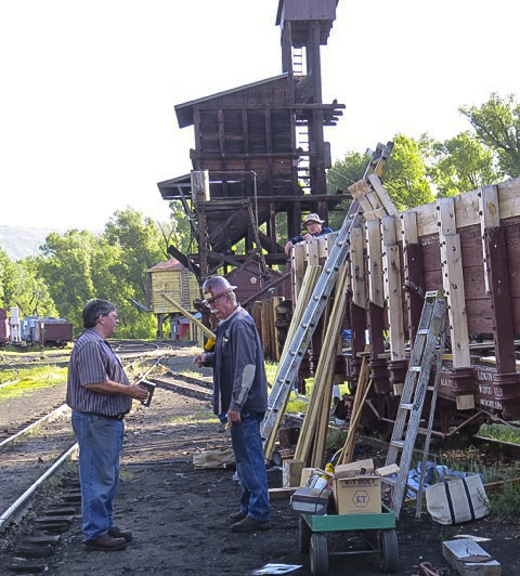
x,y
354,468
358,494
292,472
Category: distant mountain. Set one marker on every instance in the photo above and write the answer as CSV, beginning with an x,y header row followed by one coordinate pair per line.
x,y
19,242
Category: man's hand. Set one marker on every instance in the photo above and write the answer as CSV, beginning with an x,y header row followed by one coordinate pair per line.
x,y
234,416
137,392
308,237
288,248
200,360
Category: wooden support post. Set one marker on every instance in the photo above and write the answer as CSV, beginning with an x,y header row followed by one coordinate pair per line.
x,y
298,267
392,286
453,284
358,303
201,195
496,277
313,247
413,273
375,309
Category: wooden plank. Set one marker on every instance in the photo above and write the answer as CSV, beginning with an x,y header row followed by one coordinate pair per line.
x,y
323,247
314,251
357,266
298,266
382,194
282,493
409,230
191,318
467,208
375,263
453,283
392,284
275,301
311,277
489,211
313,429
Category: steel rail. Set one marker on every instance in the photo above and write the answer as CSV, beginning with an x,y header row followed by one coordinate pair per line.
x,y
21,502
55,413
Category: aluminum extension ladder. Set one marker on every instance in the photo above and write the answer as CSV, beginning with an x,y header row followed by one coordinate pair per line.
x,y
428,346
290,364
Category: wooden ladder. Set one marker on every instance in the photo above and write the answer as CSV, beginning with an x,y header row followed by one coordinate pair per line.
x,y
431,330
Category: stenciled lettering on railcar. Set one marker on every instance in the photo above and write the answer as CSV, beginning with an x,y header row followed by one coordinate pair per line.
x,y
429,240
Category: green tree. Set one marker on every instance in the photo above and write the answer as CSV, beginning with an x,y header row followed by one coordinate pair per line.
x,y
405,176
66,267
497,125
29,290
137,244
5,278
461,164
178,230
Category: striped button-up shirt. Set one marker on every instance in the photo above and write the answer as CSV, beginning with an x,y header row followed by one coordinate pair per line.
x,y
92,362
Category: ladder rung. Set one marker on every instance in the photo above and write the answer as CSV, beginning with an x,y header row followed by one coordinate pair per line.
x,y
406,406
397,443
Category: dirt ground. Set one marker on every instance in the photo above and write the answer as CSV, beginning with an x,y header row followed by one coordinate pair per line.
x,y
178,514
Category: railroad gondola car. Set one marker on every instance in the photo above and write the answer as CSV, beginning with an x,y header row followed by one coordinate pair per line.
x,y
46,330
466,246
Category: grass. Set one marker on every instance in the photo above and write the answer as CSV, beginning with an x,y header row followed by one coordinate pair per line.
x,y
199,417
505,502
25,381
500,432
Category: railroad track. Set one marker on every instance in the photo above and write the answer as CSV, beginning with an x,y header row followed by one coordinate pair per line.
x,y
124,348
185,385
29,457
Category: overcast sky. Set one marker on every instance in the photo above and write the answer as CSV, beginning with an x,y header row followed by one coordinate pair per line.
x,y
87,124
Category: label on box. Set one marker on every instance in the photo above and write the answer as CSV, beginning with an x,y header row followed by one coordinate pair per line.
x,y
358,494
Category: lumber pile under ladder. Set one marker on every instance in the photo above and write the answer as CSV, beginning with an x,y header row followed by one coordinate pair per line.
x,y
310,279
311,443
363,386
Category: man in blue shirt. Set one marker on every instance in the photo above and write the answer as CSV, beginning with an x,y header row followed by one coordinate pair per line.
x,y
240,398
314,225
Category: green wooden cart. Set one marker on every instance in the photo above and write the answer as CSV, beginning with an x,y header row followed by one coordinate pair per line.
x,y
370,533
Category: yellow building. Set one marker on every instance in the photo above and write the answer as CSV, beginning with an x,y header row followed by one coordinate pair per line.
x,y
172,278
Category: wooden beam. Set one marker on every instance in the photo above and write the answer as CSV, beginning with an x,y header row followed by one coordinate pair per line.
x,y
357,266
185,313
375,263
489,211
392,285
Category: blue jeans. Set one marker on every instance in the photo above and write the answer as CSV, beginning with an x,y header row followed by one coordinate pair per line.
x,y
249,458
100,442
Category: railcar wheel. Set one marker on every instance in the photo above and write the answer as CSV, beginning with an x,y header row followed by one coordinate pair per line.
x,y
304,536
319,555
389,551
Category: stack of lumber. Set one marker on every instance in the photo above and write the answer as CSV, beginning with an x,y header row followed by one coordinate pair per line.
x,y
309,282
311,443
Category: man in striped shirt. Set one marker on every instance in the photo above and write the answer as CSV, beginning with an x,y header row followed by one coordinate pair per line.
x,y
100,395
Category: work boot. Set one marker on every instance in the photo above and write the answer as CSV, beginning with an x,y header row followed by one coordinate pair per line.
x,y
106,543
237,516
116,532
249,524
